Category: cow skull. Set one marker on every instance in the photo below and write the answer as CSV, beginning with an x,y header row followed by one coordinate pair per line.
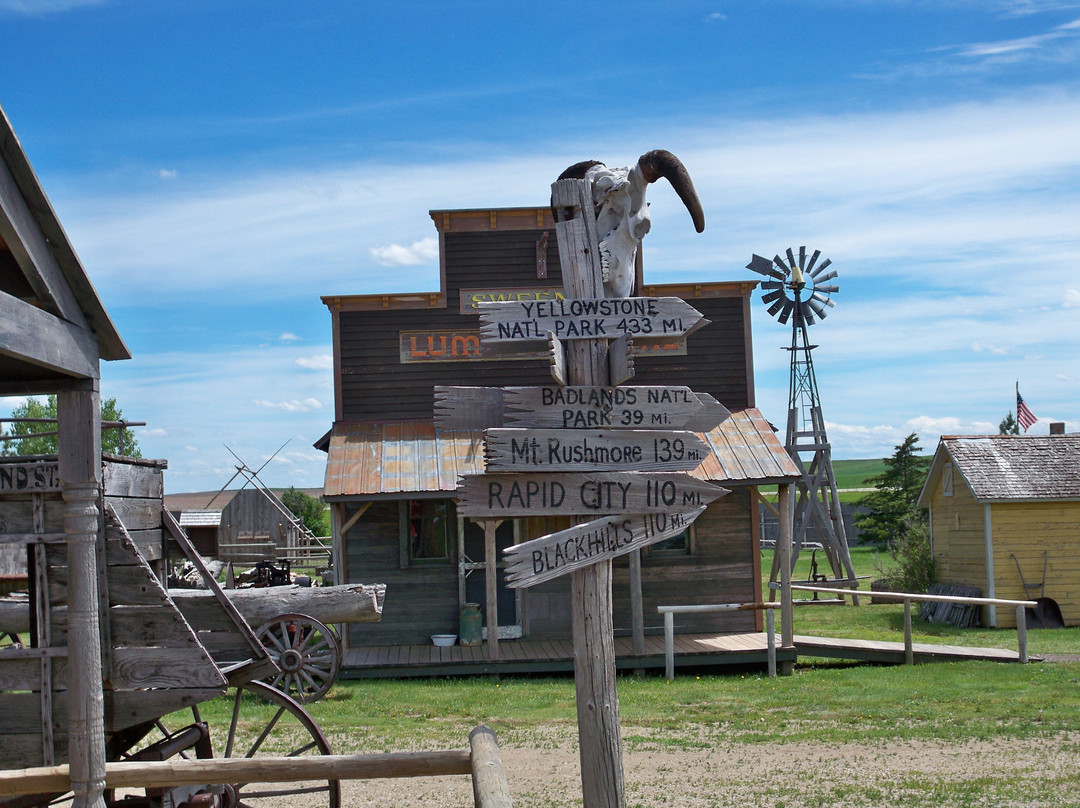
x,y
622,214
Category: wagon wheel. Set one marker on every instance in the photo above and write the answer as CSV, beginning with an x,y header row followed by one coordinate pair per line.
x,y
262,722
308,653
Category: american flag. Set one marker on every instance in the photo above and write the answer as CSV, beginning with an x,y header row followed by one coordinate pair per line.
x,y
1024,416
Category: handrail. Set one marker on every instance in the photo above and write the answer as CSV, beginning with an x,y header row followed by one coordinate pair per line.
x,y
669,613
481,760
908,597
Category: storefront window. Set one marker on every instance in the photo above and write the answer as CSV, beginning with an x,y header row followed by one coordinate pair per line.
x,y
428,530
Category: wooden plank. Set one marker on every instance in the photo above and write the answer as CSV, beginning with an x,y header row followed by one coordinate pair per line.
x,y
595,450
42,339
468,407
581,494
629,407
557,359
29,476
596,318
547,557
621,360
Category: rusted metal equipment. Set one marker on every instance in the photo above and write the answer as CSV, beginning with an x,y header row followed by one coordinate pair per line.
x,y
1045,613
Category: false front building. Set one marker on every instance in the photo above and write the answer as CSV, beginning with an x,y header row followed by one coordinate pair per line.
x,y
392,474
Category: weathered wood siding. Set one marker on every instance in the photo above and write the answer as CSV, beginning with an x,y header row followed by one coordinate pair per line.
x,y
368,342
420,601
959,541
1028,530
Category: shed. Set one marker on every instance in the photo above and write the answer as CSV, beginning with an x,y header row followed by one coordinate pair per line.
x,y
391,474
54,331
1002,509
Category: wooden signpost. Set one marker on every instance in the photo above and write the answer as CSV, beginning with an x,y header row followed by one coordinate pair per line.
x,y
586,447
598,318
630,407
592,450
534,562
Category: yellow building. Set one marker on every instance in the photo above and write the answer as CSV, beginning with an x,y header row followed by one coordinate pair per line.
x,y
1005,517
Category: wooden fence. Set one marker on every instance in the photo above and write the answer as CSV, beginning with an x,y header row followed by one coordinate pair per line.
x,y
669,613
481,760
908,597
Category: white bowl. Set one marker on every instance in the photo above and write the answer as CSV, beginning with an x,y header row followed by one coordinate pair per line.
x,y
444,640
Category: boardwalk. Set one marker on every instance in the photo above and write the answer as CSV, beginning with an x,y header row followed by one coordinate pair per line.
x,y
691,651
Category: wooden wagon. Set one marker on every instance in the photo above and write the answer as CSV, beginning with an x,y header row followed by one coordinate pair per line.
x,y
160,654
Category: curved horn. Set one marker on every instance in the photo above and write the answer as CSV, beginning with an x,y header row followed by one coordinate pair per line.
x,y
577,170
660,163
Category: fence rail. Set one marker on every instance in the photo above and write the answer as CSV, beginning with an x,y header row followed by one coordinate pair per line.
x,y
669,613
908,597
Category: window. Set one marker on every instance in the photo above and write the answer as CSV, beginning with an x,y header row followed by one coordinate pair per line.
x,y
680,545
427,531
947,480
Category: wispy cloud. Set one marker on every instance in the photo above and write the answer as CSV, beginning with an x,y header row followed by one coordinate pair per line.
x,y
307,405
37,8
320,362
424,251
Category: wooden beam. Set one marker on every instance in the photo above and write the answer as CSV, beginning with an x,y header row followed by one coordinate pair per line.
x,y
28,245
40,338
491,560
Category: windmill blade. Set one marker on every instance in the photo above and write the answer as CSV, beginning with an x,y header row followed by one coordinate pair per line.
x,y
791,259
822,300
772,284
786,313
771,296
813,260
780,263
775,307
828,276
807,312
818,307
830,289
764,266
821,268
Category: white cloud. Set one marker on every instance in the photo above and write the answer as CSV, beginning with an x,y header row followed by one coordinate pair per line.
x,y
1072,299
424,251
288,336
319,362
167,173
981,347
307,405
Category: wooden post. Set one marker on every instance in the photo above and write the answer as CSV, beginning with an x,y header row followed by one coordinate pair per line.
x,y
669,645
909,652
786,507
1021,631
79,460
600,742
770,638
491,587
490,789
637,608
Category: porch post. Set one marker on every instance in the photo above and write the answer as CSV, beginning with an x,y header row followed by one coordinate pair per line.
x,y
491,581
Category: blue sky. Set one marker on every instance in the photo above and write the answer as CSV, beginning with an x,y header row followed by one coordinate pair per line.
x,y
219,166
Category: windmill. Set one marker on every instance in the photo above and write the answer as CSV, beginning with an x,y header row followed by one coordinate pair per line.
x,y
799,291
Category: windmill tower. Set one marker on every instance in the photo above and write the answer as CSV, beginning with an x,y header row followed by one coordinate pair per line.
x,y
798,291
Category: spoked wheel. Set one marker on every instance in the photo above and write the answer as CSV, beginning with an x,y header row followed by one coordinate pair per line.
x,y
308,653
261,722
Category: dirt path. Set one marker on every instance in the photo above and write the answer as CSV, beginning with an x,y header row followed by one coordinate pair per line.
x,y
545,774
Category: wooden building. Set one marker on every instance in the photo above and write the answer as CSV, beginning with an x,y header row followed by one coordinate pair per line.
x,y
391,474
54,332
1003,509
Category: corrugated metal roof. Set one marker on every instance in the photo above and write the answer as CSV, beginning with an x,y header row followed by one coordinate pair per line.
x,y
203,518
1016,467
373,458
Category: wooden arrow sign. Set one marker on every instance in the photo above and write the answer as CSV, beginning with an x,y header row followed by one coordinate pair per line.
x,y
593,450
595,318
632,407
547,557
498,495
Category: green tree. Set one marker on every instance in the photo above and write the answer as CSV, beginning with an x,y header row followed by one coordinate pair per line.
x,y
891,507
115,440
1009,425
309,510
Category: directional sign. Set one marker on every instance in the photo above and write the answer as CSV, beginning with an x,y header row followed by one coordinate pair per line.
x,y
588,318
641,407
547,557
498,495
593,450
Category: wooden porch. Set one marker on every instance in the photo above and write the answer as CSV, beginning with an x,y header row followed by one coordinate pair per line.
x,y
691,651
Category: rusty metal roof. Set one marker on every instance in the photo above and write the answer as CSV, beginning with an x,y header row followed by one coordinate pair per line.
x,y
372,459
